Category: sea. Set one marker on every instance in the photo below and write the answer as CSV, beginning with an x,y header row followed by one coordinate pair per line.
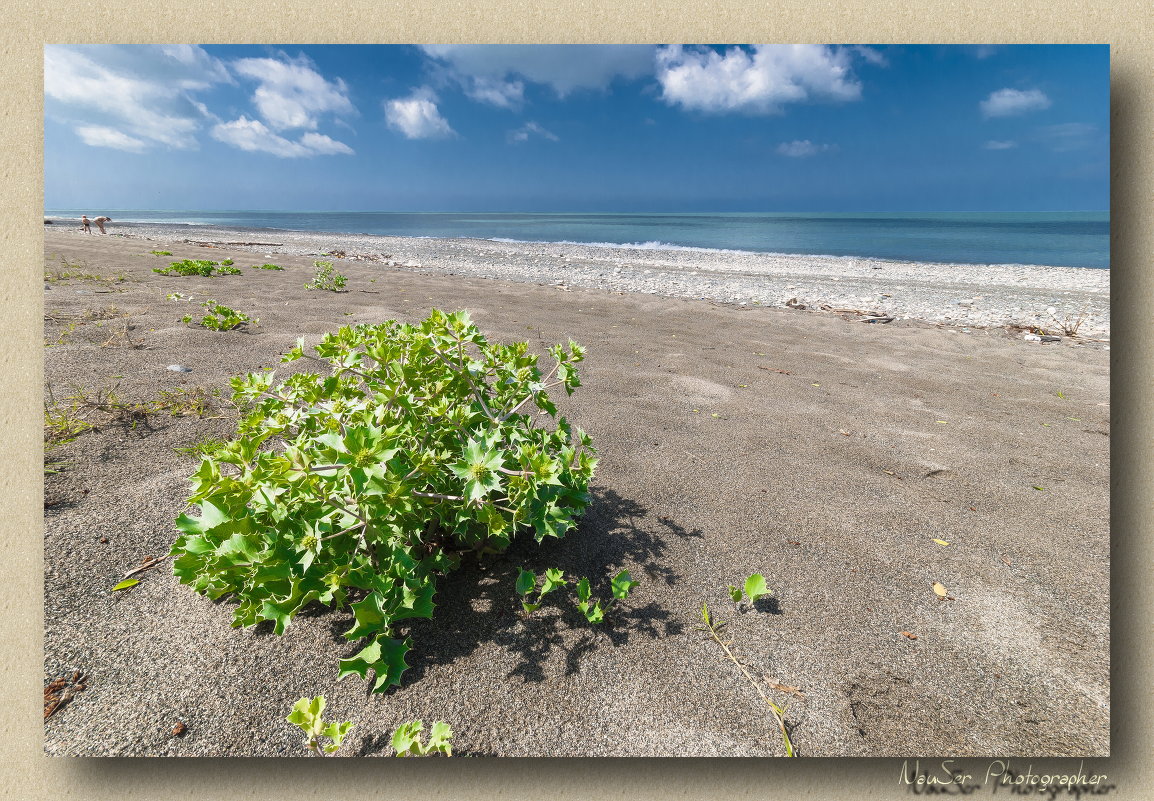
x,y
1073,239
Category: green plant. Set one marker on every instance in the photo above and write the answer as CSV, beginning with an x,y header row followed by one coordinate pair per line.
x,y
201,267
204,447
754,589
63,425
62,337
180,402
177,296
306,715
620,587
327,278
226,262
376,478
715,627
221,317
267,267
160,252
407,739
527,582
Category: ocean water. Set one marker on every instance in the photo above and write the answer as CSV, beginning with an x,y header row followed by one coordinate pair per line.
x,y
1075,239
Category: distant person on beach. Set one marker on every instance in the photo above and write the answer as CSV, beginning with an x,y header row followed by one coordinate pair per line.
x,y
100,221
84,222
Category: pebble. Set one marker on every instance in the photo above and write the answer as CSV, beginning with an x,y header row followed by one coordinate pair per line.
x,y
178,368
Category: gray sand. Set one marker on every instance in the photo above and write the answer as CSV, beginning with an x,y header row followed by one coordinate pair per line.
x,y
822,452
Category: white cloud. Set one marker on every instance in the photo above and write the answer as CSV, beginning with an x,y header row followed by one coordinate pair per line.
x,y
1008,102
291,94
759,81
101,136
496,92
255,136
995,144
489,73
140,91
802,148
871,55
1068,136
417,117
523,133
324,145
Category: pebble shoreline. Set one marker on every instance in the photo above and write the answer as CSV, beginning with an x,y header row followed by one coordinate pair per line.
x,y
966,295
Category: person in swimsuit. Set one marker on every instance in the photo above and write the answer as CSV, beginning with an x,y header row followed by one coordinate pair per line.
x,y
84,222
100,221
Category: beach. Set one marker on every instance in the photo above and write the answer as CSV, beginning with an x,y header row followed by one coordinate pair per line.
x,y
748,419
968,295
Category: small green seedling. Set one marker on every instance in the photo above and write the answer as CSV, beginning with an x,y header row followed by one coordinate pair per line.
x,y
622,585
407,739
527,581
267,267
306,714
177,296
754,589
327,278
160,252
593,613
226,262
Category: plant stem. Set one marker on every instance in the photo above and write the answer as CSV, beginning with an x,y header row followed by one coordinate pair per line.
x,y
777,712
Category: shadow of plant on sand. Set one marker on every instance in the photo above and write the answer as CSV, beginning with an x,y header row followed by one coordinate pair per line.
x,y
478,603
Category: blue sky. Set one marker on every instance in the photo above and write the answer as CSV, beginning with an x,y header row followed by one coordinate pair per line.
x,y
805,128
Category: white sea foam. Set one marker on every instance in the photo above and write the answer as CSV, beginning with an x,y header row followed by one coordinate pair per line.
x,y
652,245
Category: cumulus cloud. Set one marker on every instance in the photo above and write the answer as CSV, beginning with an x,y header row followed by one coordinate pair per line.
x,y
143,92
758,81
291,94
1010,102
417,117
523,133
496,73
100,136
255,136
996,144
802,148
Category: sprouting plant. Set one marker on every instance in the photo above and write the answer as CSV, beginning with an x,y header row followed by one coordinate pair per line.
x,y
177,296
221,317
620,587
201,267
160,252
409,450
527,582
201,448
715,627
754,589
65,333
407,739
326,277
267,267
226,262
593,613
306,714
181,402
